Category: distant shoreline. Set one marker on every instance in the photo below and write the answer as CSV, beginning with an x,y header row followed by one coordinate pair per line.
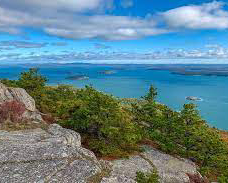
x,y
165,61
194,70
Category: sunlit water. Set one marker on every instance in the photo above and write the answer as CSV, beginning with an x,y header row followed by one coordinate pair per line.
x,y
134,81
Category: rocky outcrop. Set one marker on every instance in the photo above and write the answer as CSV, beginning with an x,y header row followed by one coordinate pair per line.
x,y
19,94
55,155
52,155
169,168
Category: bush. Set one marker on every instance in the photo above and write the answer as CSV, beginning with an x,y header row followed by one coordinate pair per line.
x,y
11,111
223,179
102,118
10,83
147,177
54,97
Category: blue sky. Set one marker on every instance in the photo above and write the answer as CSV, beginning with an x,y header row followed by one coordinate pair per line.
x,y
94,30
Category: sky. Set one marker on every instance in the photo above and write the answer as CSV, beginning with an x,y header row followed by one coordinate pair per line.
x,y
119,31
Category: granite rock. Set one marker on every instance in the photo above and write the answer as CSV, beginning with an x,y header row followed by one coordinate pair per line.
x,y
169,168
20,95
52,155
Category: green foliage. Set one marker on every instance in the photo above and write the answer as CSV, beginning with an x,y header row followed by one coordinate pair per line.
x,y
147,177
32,81
54,98
223,179
101,117
152,94
184,133
10,83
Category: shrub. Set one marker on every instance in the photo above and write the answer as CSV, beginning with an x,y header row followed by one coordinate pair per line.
x,y
147,177
101,117
53,98
223,179
12,111
10,83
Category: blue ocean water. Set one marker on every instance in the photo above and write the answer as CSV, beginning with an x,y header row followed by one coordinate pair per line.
x,y
134,80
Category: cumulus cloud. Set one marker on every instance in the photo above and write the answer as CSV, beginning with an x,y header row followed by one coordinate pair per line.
x,y
206,16
57,5
99,26
83,19
65,19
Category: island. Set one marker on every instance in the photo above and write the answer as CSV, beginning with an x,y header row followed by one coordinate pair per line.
x,y
193,98
193,70
107,72
78,77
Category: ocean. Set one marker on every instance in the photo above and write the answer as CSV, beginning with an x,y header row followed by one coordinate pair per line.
x,y
133,81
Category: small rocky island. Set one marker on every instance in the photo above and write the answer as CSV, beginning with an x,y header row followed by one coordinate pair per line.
x,y
78,77
192,98
107,72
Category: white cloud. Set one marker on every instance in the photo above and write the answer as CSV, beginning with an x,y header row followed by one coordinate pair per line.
x,y
70,19
205,16
55,5
73,25
218,53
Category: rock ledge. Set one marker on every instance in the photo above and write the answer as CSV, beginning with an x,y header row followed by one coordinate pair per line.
x,y
52,155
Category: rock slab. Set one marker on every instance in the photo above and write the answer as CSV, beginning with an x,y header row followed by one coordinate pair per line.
x,y
40,156
169,168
